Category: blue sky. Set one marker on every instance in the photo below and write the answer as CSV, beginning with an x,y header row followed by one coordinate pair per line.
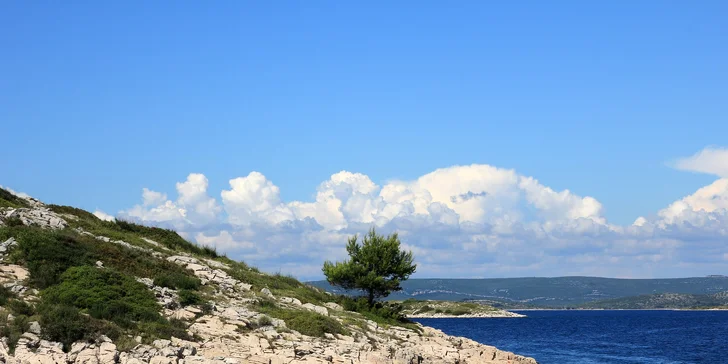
x,y
100,100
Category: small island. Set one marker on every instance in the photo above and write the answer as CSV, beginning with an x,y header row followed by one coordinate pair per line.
x,y
451,309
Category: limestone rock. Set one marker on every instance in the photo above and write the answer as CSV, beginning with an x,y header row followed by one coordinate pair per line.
x,y
318,309
34,328
334,306
267,292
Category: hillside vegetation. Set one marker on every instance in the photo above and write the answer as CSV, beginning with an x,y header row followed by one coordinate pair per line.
x,y
663,301
89,278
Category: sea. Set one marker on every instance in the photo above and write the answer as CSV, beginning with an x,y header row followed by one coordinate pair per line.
x,y
591,337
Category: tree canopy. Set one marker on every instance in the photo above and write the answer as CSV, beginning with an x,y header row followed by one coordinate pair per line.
x,y
376,267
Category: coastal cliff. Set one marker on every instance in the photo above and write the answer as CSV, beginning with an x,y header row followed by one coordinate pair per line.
x,y
207,308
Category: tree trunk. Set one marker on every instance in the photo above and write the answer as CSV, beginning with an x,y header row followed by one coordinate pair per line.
x,y
370,299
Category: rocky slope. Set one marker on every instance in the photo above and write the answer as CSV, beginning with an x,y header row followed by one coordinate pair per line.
x,y
663,301
239,322
450,309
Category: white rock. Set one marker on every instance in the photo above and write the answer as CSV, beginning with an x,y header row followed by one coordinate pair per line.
x,y
34,327
334,306
289,300
317,309
267,292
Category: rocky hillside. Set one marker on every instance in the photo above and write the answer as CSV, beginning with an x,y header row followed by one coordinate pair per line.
x,y
664,301
76,289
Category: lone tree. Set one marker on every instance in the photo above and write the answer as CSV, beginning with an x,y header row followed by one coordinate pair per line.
x,y
376,267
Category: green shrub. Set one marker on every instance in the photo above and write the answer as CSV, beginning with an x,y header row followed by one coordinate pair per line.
x,y
19,307
68,210
12,330
64,324
264,321
7,199
105,294
177,280
167,237
5,295
386,311
47,254
166,329
306,322
13,221
188,298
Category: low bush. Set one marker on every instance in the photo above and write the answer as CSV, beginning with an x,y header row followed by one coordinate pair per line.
x,y
8,199
105,294
188,298
13,329
177,280
68,210
168,238
64,324
5,295
47,254
264,321
383,313
306,322
457,311
279,284
19,307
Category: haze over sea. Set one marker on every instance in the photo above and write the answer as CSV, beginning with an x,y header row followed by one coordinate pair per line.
x,y
591,337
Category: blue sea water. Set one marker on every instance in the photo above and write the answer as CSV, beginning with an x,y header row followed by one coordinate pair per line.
x,y
591,337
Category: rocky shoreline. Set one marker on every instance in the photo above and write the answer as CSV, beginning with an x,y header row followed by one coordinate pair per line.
x,y
493,314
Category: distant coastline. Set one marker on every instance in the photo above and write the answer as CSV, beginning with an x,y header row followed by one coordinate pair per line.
x,y
491,314
621,309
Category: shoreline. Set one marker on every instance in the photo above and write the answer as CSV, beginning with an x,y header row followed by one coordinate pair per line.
x,y
497,314
621,309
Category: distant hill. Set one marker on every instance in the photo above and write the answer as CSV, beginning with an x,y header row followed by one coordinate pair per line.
x,y
548,292
663,300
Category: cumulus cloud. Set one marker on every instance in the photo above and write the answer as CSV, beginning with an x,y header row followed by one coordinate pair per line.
x,y
104,216
192,209
711,160
16,193
460,221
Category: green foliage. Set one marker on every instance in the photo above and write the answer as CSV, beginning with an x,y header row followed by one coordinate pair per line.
x,y
188,298
68,210
388,312
105,294
168,238
177,280
166,329
13,221
12,330
7,199
264,321
20,307
376,267
64,324
47,254
278,284
5,295
306,322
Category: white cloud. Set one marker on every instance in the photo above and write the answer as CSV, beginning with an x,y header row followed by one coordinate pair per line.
x,y
466,221
193,207
710,160
104,216
16,193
